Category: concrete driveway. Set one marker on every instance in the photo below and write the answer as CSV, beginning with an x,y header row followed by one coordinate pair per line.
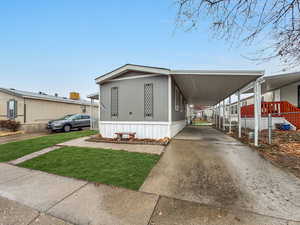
x,y
206,166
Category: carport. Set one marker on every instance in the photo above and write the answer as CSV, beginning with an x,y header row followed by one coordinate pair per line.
x,y
212,88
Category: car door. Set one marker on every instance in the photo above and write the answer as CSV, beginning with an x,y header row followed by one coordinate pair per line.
x,y
77,120
86,120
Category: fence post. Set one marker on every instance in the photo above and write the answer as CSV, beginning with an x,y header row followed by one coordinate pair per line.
x,y
270,128
239,116
245,128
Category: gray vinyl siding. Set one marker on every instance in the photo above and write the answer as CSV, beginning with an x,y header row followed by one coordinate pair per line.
x,y
290,93
176,115
131,99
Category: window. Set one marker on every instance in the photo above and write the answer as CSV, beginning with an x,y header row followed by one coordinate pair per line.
x,y
148,100
114,102
177,98
12,109
85,117
75,117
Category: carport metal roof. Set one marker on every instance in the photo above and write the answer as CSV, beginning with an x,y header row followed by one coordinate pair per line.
x,y
273,82
202,87
277,81
210,87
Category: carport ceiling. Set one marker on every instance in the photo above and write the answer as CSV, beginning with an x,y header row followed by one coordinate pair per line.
x,y
211,87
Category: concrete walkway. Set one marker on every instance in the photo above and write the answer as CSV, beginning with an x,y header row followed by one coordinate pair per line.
x,y
206,166
33,155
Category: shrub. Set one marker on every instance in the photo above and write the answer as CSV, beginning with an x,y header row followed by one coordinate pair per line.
x,y
10,125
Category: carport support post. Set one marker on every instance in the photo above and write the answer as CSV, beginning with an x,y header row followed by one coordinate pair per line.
x,y
239,114
257,111
219,115
229,114
223,111
91,115
215,116
99,108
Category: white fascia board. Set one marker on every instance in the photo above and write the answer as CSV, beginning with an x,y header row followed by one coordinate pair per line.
x,y
284,75
126,68
257,73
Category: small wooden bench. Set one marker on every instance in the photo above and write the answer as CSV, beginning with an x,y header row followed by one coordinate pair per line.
x,y
131,135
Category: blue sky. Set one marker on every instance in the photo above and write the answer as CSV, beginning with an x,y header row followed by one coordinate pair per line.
x,y
60,46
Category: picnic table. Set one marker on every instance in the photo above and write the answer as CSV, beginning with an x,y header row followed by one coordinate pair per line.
x,y
131,135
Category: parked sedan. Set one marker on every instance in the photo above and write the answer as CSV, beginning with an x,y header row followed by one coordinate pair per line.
x,y
69,122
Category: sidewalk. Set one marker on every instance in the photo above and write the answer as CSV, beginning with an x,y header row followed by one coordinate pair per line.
x,y
30,197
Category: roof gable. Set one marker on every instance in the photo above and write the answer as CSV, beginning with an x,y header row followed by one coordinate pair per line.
x,y
134,68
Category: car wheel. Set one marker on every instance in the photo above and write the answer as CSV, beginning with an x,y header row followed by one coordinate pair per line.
x,y
67,128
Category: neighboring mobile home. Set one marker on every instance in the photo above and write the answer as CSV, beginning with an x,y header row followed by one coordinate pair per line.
x,y
153,102
279,93
34,110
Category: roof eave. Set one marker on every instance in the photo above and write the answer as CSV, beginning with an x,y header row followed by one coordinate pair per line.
x,y
11,92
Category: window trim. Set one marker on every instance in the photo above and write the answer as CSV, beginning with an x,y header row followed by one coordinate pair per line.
x,y
152,100
114,115
15,109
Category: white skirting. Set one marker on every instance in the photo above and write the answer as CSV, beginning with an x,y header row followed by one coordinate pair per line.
x,y
177,126
143,129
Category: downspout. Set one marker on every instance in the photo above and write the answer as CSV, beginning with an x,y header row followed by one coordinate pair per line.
x,y
24,113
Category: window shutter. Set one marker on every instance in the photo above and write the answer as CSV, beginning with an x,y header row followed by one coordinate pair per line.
x,y
7,109
15,114
114,101
148,100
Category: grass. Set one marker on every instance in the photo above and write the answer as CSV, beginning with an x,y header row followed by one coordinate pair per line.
x,y
200,123
14,150
119,168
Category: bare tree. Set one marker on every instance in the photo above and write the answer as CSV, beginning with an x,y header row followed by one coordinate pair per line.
x,y
277,21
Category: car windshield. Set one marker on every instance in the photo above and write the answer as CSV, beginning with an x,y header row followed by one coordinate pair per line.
x,y
74,117
66,117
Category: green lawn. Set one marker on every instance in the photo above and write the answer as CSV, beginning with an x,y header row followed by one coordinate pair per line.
x,y
14,150
119,168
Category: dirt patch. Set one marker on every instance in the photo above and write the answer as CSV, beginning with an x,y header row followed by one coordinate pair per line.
x,y
283,155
